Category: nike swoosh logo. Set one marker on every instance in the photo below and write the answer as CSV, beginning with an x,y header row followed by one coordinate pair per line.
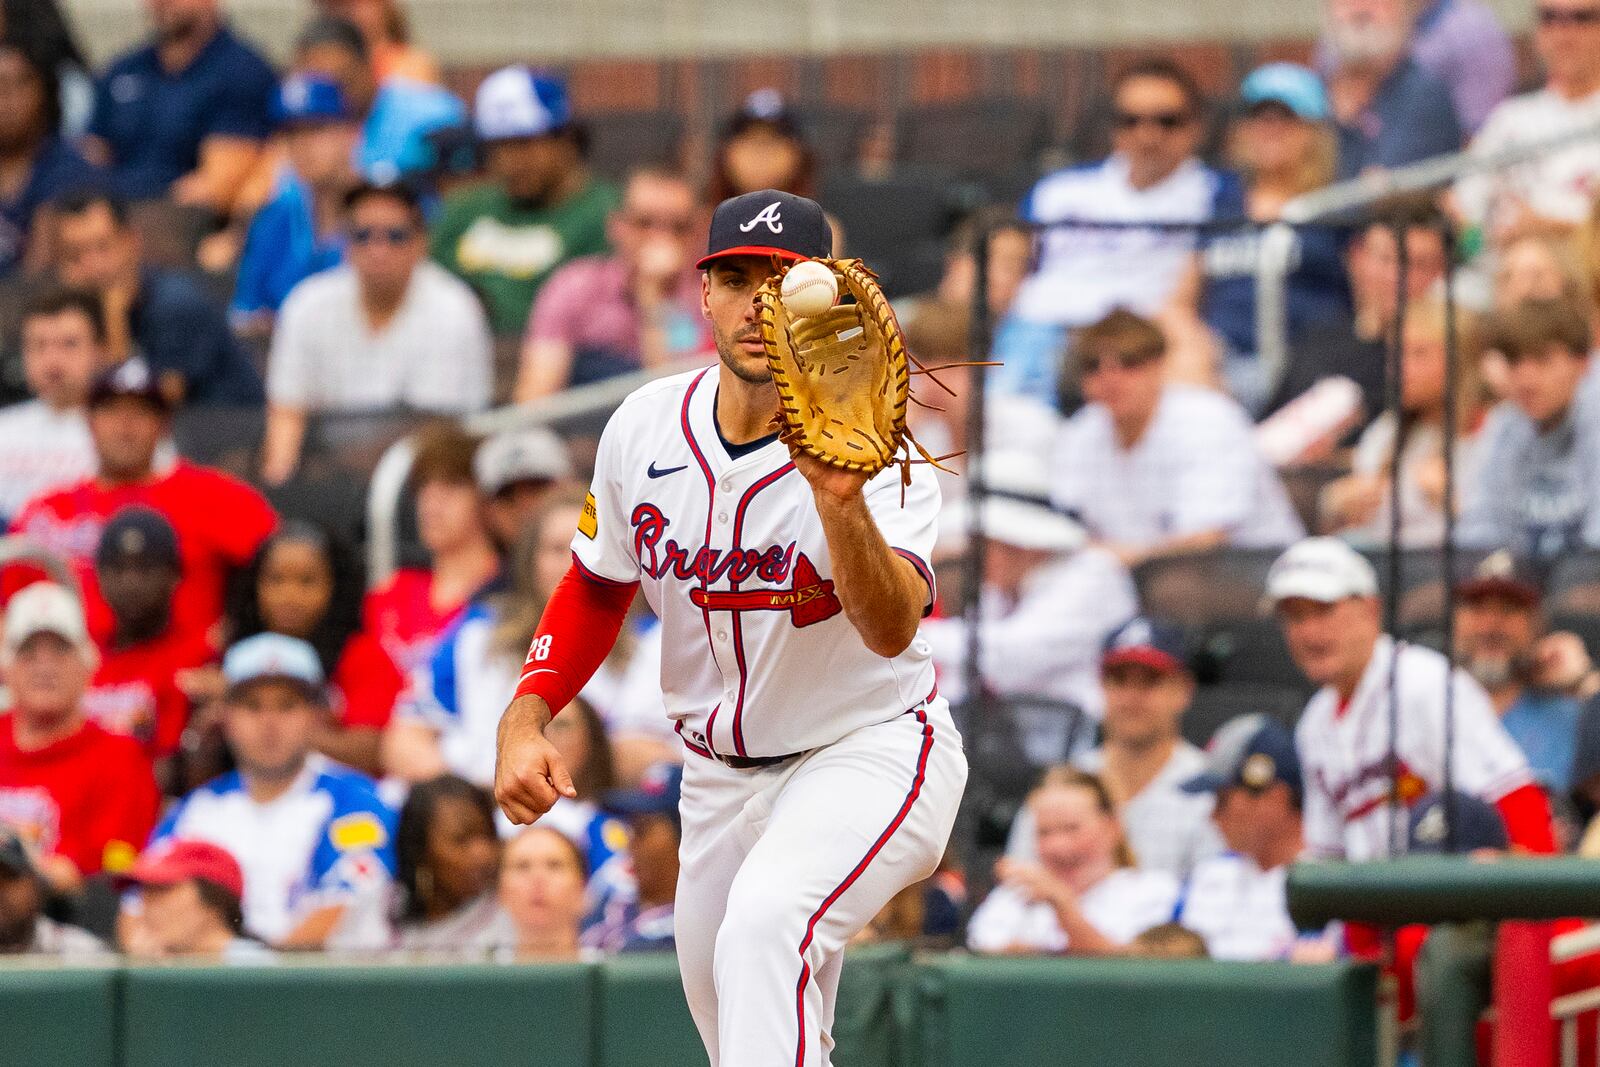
x,y
657,472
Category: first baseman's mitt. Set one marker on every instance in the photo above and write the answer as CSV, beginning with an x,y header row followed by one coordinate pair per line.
x,y
844,376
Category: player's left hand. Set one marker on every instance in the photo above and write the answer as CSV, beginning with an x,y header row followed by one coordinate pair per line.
x,y
828,480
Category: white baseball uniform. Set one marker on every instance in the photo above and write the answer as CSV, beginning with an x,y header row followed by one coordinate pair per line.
x,y
781,865
1344,751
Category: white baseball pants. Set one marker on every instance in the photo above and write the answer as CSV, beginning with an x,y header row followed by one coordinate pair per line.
x,y
781,866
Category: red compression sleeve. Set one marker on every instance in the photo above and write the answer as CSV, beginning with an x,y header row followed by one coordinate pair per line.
x,y
1526,813
579,626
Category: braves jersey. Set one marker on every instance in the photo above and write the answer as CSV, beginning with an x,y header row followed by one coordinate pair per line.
x,y
327,841
731,555
1345,752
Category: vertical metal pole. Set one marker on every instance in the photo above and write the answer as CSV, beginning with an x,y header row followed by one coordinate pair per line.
x,y
979,342
1393,403
1452,344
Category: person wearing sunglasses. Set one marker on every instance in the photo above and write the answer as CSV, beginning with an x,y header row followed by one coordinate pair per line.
x,y
1389,111
387,329
1085,271
639,306
1552,193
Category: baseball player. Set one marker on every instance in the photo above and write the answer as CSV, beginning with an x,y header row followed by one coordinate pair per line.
x,y
1326,598
822,772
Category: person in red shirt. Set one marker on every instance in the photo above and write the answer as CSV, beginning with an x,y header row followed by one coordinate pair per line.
x,y
137,690
413,608
220,521
84,798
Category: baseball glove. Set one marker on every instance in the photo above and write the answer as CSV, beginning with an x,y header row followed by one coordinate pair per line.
x,y
843,376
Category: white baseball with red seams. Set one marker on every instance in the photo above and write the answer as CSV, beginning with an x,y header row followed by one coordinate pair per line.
x,y
809,288
781,865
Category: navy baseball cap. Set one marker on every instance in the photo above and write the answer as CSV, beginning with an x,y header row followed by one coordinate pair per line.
x,y
1252,752
1477,824
656,794
1147,643
768,223
137,535
306,99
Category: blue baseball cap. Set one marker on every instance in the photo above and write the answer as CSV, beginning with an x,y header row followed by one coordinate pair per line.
x,y
1251,752
274,656
656,794
1295,87
1147,643
310,98
1477,824
515,103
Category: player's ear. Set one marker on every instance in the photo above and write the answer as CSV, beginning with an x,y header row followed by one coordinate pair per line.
x,y
705,295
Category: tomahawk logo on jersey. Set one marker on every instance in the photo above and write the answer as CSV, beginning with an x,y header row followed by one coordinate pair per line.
x,y
730,553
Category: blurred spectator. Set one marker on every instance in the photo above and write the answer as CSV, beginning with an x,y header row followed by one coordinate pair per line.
x,y
190,905
137,690
1388,109
1010,256
542,875
1538,267
1552,192
1478,826
388,329
1536,680
516,471
760,147
220,521
539,208
1169,941
448,856
1357,506
162,315
1086,272
24,928
1463,44
58,771
1284,146
397,115
1325,596
41,27
314,841
1155,468
304,584
641,921
1355,347
184,115
637,307
36,163
416,605
45,441
1143,760
1237,901
1049,601
387,31
300,230
1083,897
1539,481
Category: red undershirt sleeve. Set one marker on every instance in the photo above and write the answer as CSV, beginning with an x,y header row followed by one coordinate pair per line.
x,y
579,626
1526,813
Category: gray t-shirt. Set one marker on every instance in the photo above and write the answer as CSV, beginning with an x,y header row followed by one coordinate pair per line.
x,y
1538,492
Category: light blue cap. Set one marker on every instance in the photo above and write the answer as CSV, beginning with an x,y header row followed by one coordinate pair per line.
x,y
272,656
1295,87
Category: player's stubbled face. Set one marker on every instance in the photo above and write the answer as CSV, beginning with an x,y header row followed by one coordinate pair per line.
x,y
728,292
1331,643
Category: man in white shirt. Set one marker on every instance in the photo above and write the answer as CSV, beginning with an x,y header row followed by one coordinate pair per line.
x,y
1154,468
387,329
1552,192
1237,900
1084,272
45,441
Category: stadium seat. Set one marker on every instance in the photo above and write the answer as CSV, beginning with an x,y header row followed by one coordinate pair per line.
x,y
1246,651
1574,585
1214,705
835,135
224,436
335,503
896,223
1198,590
994,141
622,140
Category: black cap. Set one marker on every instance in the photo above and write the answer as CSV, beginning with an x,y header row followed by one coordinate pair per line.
x,y
132,377
1477,825
1506,575
137,535
764,107
768,223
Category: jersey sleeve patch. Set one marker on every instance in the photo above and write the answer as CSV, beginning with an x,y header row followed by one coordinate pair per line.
x,y
358,831
589,521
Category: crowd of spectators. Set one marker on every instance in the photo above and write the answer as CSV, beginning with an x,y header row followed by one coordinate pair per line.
x,y
300,760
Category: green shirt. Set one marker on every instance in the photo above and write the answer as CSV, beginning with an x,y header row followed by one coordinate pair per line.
x,y
506,250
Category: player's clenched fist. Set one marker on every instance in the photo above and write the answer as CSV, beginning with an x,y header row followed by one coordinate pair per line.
x,y
529,774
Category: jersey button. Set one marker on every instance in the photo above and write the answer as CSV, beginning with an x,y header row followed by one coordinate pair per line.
x,y
722,517
722,635
727,484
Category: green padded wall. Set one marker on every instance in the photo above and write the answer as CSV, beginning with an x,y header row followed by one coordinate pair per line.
x,y
339,1016
1146,1013
51,1017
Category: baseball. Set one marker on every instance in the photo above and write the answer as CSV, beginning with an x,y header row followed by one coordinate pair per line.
x,y
809,289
